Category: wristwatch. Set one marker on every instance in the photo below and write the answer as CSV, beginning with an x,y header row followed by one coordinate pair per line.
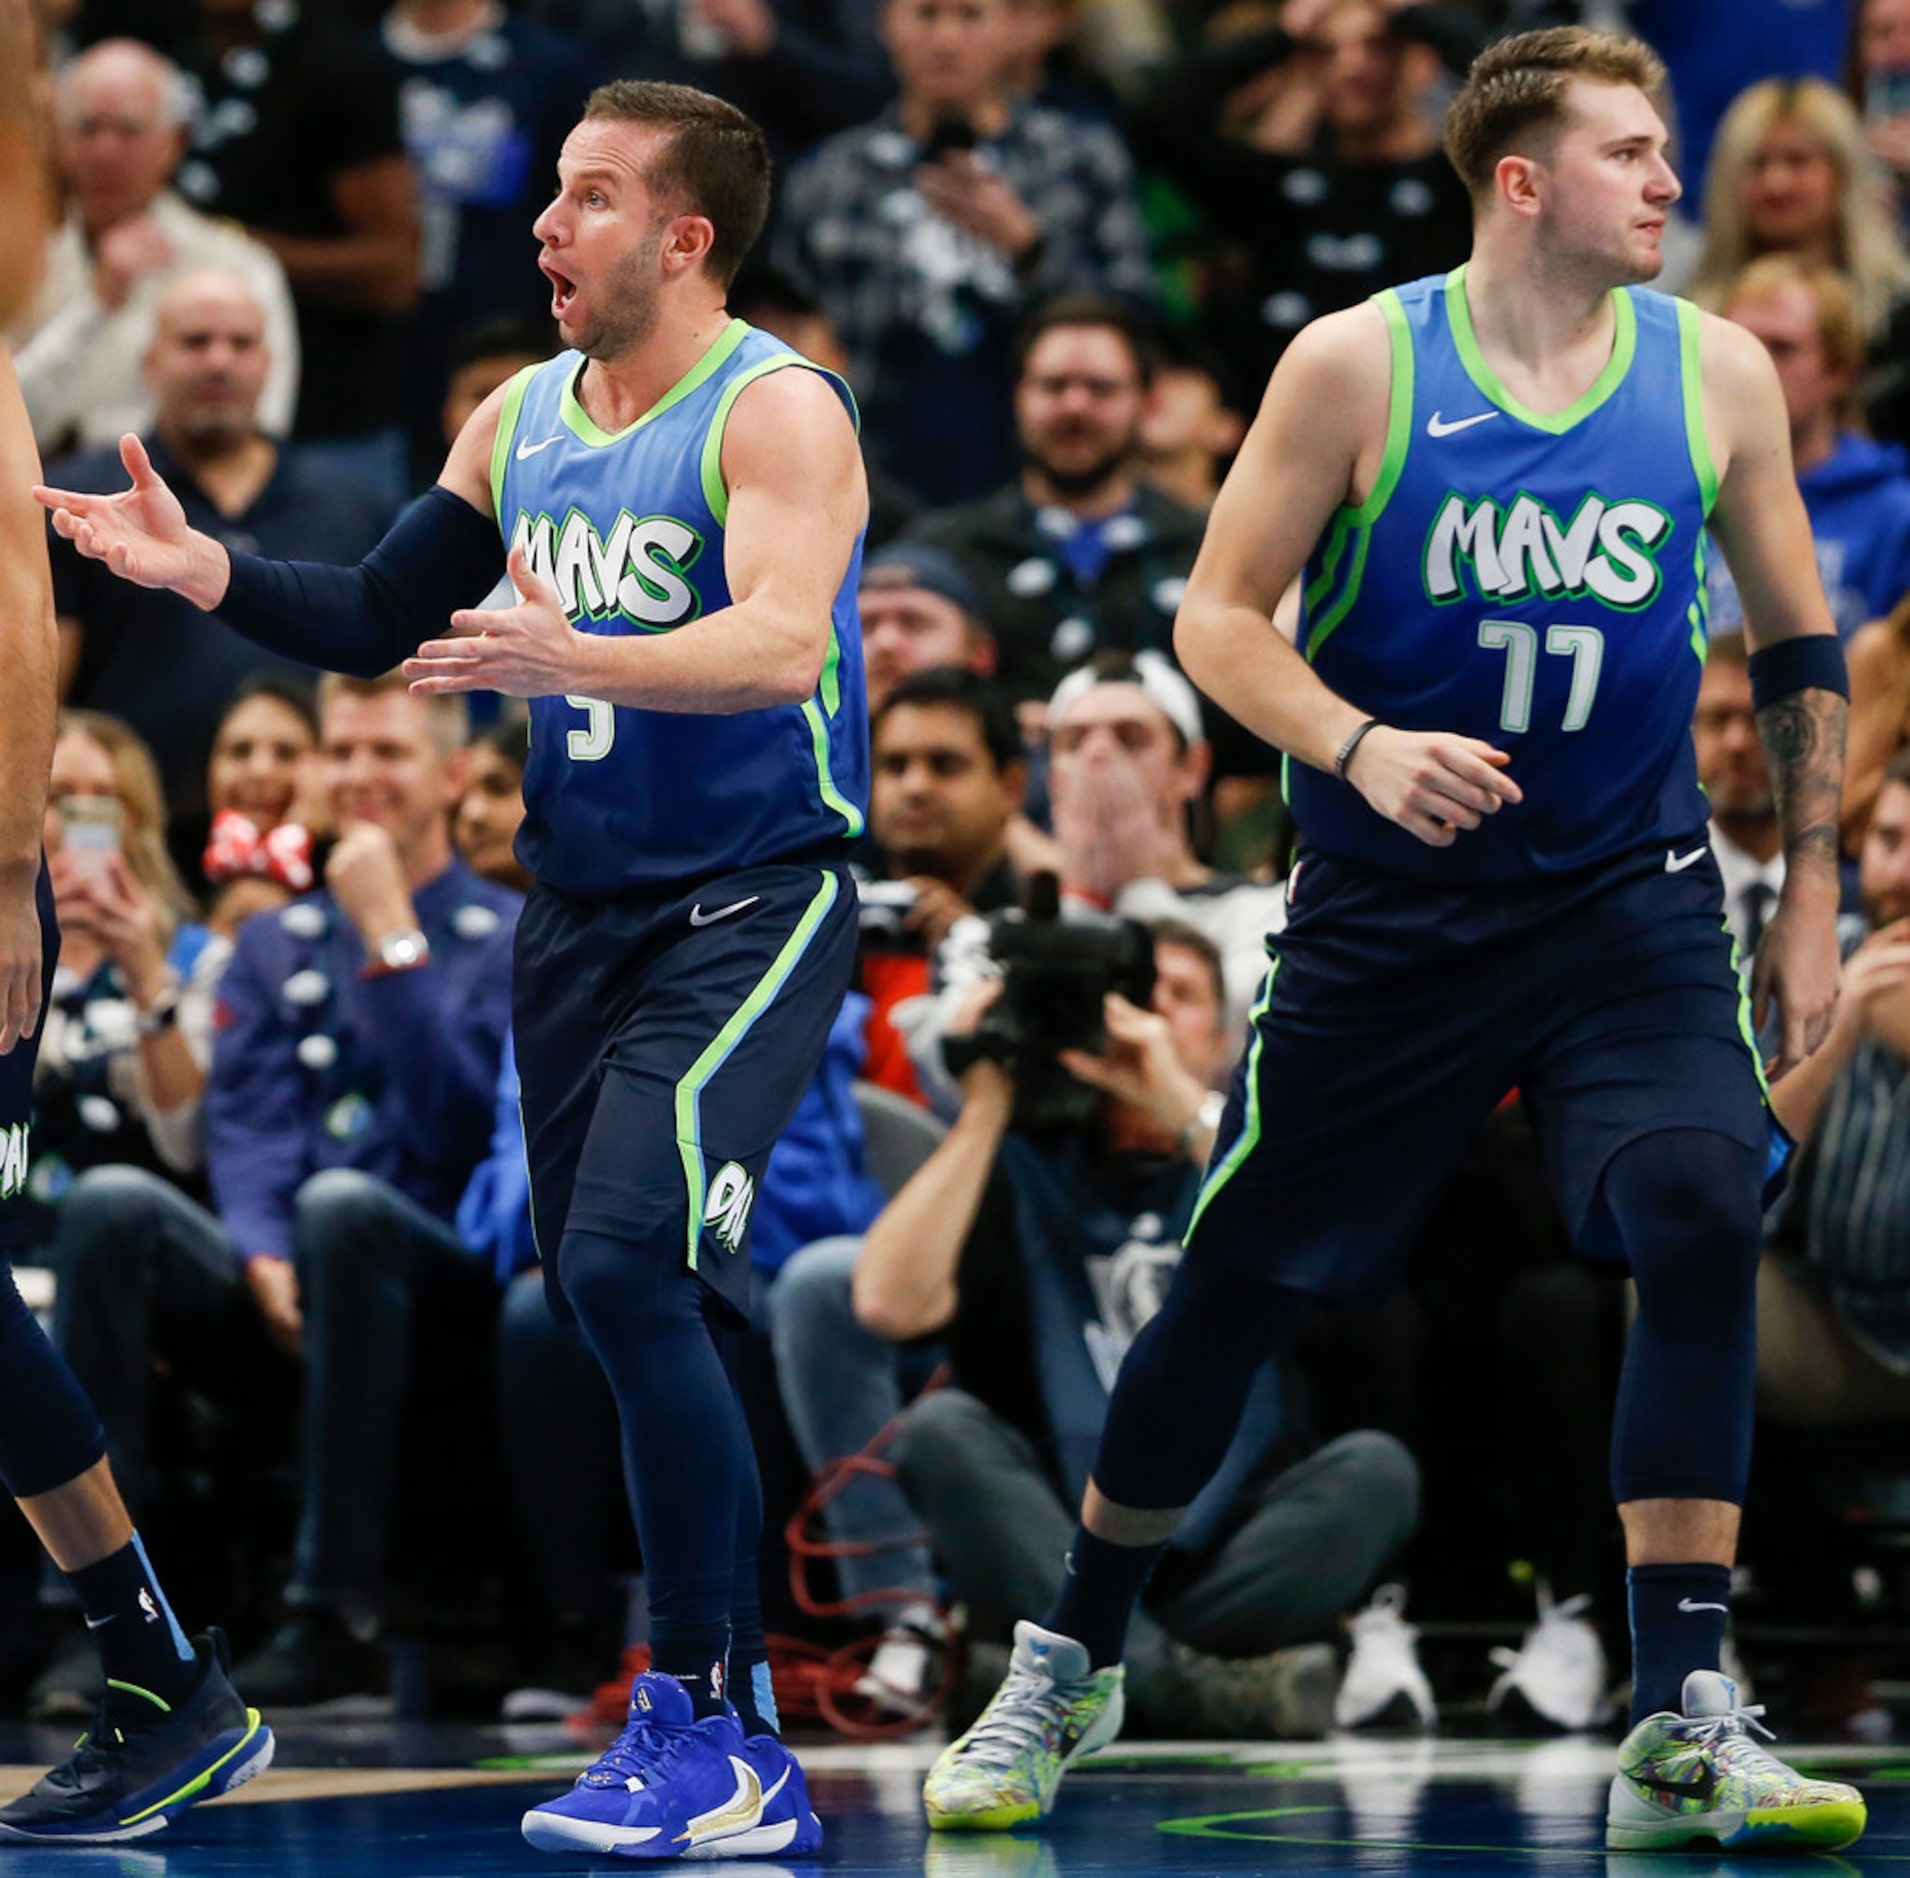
x,y
1206,1121
398,952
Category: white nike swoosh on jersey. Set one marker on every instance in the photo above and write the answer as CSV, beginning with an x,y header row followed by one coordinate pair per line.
x,y
1677,863
1686,1604
1436,426
99,1623
700,918
531,449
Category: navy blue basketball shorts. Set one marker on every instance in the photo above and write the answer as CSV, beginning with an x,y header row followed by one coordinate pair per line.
x,y
664,1041
17,1215
1396,1016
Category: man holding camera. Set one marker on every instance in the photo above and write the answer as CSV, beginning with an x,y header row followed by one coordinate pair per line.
x,y
1037,1253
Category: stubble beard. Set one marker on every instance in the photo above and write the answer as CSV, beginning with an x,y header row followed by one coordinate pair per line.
x,y
627,315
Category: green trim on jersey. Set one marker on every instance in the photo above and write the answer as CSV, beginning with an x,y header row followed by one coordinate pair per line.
x,y
689,1091
716,494
508,414
1746,1028
1691,371
1624,345
1356,525
582,426
1249,1137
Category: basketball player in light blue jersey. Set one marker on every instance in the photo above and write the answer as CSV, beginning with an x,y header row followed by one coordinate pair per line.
x,y
1495,488
682,501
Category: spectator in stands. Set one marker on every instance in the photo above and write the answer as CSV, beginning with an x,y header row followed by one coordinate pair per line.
x,y
775,303
919,611
1879,712
1190,429
128,1029
1077,555
1737,783
1311,145
121,133
804,69
928,234
1038,1257
150,657
946,782
487,95
266,800
1791,174
1127,761
491,809
298,140
485,356
351,1096
1856,490
1880,86
1833,1302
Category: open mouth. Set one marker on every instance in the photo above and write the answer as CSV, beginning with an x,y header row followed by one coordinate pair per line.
x,y
563,288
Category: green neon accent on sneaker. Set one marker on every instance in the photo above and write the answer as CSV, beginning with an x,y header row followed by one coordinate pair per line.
x,y
204,1780
689,1091
133,1688
1624,346
583,426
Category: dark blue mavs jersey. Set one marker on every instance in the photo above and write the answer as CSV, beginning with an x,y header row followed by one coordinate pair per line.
x,y
1535,582
629,529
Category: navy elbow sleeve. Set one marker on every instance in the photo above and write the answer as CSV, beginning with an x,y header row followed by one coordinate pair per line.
x,y
441,554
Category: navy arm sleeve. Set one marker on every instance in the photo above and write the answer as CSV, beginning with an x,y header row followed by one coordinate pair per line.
x,y
440,554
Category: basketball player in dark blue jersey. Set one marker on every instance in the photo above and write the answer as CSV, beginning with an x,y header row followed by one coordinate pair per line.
x,y
1495,489
682,501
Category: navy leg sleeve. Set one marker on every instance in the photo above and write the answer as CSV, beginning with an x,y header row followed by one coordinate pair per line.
x,y
1686,1211
49,1431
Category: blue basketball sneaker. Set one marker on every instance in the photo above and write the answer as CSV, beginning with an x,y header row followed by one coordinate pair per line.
x,y
669,1786
789,1824
142,1762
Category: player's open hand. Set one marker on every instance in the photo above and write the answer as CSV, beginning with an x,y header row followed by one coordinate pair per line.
x,y
1433,784
141,533
19,956
1797,964
524,651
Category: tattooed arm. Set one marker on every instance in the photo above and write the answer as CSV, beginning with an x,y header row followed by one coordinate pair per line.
x,y
1761,525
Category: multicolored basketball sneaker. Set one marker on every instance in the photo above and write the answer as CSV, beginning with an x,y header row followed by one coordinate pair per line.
x,y
1050,1711
1699,1777
669,1786
143,1763
789,1825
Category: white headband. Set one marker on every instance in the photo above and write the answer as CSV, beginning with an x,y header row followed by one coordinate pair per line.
x,y
1155,674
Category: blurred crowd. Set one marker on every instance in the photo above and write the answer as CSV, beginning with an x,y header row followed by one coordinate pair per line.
x,y
1055,246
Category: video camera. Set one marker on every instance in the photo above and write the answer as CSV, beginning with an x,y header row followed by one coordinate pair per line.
x,y
1056,973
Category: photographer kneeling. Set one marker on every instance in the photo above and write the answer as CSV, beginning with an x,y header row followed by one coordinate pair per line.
x,y
1036,1240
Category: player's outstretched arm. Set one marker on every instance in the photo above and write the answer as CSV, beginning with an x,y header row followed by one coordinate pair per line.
x,y
1317,444
441,553
1796,672
797,498
29,654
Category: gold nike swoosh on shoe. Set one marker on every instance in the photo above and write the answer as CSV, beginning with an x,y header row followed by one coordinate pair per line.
x,y
741,1810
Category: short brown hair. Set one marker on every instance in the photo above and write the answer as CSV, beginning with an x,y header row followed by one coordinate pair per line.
x,y
715,164
1840,327
1516,90
445,712
1069,310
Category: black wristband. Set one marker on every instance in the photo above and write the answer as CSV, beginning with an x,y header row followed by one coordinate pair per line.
x,y
1810,662
1350,745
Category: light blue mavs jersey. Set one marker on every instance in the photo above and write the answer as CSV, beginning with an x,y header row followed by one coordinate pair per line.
x,y
1535,582
629,529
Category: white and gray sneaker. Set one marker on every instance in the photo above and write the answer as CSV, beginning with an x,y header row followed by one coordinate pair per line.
x,y
903,1674
1557,1674
1384,1686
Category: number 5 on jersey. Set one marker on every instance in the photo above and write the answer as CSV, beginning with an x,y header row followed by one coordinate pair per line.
x,y
1583,645
592,743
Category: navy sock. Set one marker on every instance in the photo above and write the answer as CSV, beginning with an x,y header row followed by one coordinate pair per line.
x,y
1099,1592
1678,1614
140,1641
